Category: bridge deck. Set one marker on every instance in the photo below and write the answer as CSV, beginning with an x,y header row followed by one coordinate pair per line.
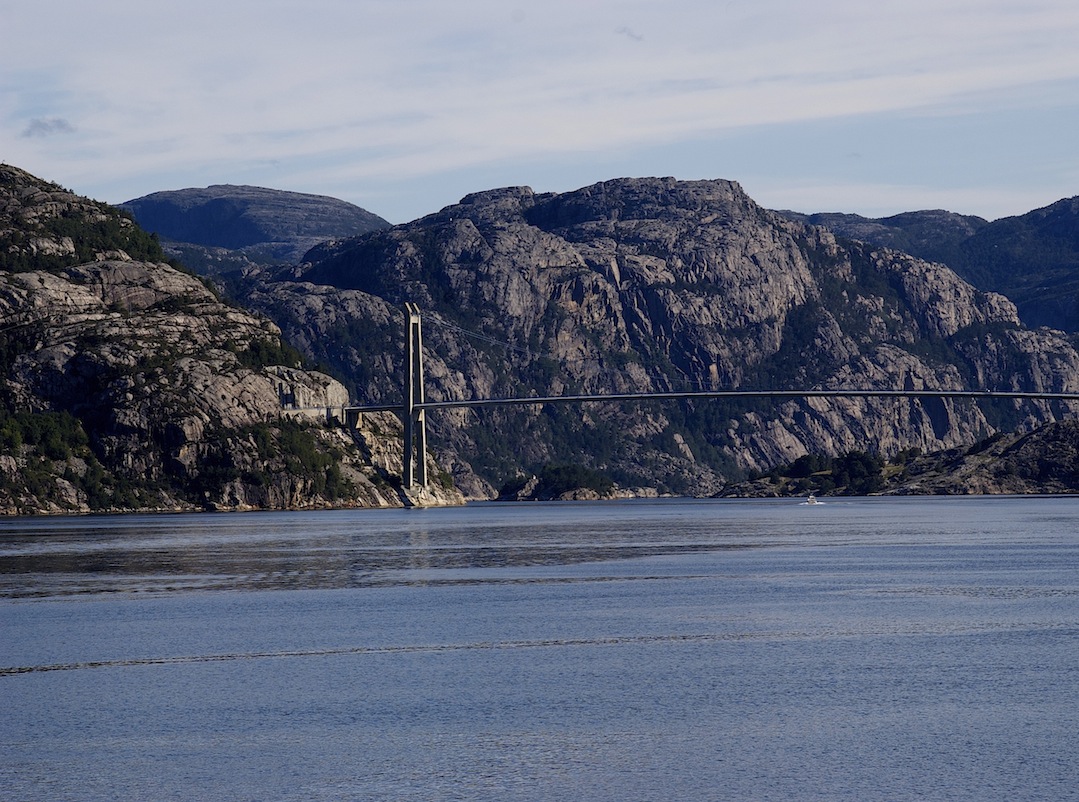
x,y
729,394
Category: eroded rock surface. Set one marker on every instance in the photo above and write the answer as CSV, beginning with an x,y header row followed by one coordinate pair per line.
x,y
641,285
128,384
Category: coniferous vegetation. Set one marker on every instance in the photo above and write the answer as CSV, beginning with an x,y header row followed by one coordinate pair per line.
x,y
264,352
52,444
282,453
855,473
114,230
554,481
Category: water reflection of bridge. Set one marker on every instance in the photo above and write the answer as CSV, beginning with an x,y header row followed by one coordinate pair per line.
x,y
414,409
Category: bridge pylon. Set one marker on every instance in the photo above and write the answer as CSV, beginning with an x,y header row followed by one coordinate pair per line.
x,y
414,459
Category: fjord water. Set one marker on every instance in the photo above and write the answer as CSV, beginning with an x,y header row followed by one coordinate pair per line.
x,y
859,649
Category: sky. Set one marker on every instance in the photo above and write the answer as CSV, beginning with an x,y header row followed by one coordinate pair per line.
x,y
405,106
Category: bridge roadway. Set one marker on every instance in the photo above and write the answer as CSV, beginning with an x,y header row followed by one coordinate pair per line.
x,y
414,408
713,394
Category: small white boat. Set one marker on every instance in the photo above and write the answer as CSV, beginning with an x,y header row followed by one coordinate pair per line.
x,y
811,499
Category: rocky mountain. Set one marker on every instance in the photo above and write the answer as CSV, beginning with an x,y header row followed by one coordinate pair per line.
x,y
126,383
263,225
1032,258
656,285
1044,461
931,235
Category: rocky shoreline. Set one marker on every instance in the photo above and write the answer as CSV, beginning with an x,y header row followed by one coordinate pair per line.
x,y
1041,462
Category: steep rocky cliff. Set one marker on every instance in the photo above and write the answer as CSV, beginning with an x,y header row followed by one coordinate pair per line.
x,y
655,285
1031,258
127,384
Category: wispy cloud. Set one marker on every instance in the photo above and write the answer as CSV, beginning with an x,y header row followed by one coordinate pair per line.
x,y
381,91
40,127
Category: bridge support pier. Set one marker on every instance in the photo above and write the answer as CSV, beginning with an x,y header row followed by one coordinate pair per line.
x,y
350,418
414,459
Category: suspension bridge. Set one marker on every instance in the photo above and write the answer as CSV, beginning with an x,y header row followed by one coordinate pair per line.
x,y
413,410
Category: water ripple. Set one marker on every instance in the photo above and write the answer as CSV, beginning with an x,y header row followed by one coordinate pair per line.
x,y
542,643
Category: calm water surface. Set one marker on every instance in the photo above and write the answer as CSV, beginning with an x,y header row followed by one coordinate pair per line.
x,y
862,649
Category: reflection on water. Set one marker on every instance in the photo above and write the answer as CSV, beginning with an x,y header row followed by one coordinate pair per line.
x,y
64,556
168,553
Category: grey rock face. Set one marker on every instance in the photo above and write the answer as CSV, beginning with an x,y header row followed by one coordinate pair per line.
x,y
128,384
163,391
1032,258
655,285
1042,461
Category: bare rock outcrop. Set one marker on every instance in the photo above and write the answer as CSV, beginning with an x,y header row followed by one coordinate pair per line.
x,y
1045,460
640,285
128,384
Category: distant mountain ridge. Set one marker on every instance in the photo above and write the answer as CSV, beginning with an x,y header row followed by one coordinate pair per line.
x,y
934,234
268,224
1031,258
